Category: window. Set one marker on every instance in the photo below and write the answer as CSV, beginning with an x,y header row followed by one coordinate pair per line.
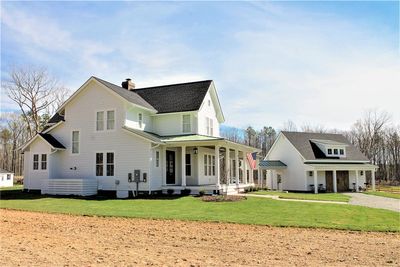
x,y
100,121
335,151
310,173
188,165
341,151
140,120
209,126
110,120
205,165
110,164
157,158
36,161
186,127
209,165
44,162
99,164
9,176
329,151
75,142
361,173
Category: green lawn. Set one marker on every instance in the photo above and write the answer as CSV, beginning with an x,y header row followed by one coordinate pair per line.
x,y
251,211
384,194
308,196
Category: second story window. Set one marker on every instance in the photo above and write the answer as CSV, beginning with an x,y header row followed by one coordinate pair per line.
x,y
75,142
110,120
100,121
209,126
186,126
140,119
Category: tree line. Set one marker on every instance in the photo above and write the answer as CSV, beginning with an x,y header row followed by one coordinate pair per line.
x,y
38,95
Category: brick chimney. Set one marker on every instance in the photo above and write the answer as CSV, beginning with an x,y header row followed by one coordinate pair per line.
x,y
128,84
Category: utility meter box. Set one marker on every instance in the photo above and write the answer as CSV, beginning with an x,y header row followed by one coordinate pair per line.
x,y
136,176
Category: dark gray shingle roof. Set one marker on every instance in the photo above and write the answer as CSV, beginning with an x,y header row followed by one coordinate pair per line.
x,y
176,97
52,141
56,118
302,142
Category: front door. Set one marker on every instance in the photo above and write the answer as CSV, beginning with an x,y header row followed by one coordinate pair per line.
x,y
342,181
329,181
170,167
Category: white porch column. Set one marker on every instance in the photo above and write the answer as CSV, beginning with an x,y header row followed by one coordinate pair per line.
x,y
334,182
373,179
183,163
259,176
227,165
217,168
357,180
237,166
315,182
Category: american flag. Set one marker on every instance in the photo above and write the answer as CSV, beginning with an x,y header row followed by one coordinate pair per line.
x,y
252,158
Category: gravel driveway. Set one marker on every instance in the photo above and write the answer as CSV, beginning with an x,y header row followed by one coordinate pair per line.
x,y
374,201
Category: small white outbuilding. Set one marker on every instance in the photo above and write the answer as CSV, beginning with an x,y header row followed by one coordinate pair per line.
x,y
6,178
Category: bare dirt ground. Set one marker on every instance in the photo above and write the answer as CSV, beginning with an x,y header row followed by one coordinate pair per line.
x,y
39,239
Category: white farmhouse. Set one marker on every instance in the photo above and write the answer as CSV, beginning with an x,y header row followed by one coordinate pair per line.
x,y
6,178
307,161
127,139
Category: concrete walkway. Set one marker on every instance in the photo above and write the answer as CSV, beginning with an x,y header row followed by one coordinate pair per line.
x,y
374,201
294,200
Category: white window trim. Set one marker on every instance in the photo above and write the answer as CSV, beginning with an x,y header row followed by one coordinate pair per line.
x,y
190,164
33,162
190,123
157,160
41,161
105,120
104,152
140,121
208,165
79,142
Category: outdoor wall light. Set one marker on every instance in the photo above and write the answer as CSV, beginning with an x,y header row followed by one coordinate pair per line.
x,y
195,150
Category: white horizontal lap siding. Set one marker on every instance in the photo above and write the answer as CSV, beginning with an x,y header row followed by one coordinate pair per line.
x,y
207,111
33,178
294,176
171,124
132,118
130,152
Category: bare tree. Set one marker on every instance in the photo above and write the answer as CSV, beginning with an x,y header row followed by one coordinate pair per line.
x,y
306,127
33,90
289,126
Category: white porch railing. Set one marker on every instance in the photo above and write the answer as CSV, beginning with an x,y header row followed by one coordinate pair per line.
x,y
78,187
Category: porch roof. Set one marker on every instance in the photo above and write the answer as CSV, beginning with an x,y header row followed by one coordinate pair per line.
x,y
192,137
272,164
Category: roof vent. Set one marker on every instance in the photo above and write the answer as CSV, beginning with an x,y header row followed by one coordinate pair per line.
x,y
128,84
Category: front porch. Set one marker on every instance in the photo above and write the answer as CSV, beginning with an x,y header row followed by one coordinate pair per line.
x,y
212,166
339,177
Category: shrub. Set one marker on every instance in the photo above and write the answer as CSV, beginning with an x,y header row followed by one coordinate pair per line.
x,y
170,192
223,198
202,192
185,192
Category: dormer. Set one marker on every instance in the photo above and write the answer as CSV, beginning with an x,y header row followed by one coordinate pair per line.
x,y
331,148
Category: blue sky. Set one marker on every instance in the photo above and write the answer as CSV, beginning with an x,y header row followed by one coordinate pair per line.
x,y
319,63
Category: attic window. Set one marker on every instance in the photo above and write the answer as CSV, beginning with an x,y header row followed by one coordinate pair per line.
x,y
335,151
209,102
341,151
329,151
